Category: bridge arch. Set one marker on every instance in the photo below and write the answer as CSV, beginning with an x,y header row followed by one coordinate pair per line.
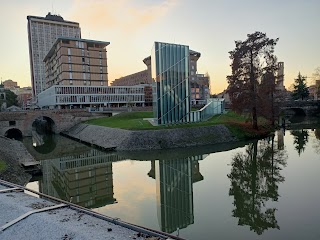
x,y
43,124
14,133
294,111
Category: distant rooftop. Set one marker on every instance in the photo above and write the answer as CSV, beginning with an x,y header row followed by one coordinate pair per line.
x,y
52,17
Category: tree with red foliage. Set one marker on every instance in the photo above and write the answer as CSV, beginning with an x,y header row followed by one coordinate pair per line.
x,y
251,60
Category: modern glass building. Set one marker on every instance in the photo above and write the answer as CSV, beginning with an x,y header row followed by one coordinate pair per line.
x,y
171,90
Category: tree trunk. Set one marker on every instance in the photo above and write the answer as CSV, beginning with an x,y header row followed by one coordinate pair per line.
x,y
254,94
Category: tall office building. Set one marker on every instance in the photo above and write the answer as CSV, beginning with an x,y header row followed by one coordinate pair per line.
x,y
42,34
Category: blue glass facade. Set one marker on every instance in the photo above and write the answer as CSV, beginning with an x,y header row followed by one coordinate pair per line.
x,y
171,90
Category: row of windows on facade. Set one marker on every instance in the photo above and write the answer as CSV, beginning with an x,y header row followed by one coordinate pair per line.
x,y
99,90
83,60
86,83
39,31
100,99
83,52
85,68
85,76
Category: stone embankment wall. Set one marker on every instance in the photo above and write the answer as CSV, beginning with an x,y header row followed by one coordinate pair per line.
x,y
12,152
150,139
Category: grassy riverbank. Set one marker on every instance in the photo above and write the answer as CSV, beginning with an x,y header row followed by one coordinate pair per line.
x,y
239,125
3,166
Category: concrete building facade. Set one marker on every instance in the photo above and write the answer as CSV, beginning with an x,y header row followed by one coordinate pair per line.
x,y
79,62
141,77
42,33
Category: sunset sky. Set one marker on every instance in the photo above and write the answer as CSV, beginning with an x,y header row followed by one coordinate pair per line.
x,y
207,26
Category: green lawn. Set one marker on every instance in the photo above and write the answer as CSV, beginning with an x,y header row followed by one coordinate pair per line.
x,y
134,121
130,120
3,166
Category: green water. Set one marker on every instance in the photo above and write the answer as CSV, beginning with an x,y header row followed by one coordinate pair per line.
x,y
266,189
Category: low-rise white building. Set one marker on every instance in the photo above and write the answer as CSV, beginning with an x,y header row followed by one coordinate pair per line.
x,y
59,96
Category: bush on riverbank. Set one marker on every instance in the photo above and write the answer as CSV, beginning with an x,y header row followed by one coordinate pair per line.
x,y
239,125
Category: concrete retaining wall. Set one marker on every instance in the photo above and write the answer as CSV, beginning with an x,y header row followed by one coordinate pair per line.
x,y
12,153
150,139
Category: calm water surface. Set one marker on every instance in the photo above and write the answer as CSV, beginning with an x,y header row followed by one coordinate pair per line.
x,y
267,189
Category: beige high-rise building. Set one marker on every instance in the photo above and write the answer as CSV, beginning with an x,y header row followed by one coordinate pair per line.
x,y
42,33
75,61
280,77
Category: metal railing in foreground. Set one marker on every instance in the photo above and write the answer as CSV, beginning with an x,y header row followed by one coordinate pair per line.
x,y
116,221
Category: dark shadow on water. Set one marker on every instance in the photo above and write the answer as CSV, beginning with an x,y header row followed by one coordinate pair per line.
x,y
179,153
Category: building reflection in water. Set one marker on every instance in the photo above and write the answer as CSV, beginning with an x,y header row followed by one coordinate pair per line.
x,y
85,178
174,183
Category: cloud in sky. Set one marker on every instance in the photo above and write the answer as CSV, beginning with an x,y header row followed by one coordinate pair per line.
x,y
125,15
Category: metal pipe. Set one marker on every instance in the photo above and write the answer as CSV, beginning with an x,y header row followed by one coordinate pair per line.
x,y
98,215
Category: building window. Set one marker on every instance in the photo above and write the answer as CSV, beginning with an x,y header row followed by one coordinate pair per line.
x,y
70,75
100,61
69,51
192,67
84,75
100,69
82,52
70,67
83,60
192,72
101,77
69,59
12,123
71,83
100,54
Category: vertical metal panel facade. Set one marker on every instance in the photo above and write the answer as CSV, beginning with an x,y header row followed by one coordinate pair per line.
x,y
171,90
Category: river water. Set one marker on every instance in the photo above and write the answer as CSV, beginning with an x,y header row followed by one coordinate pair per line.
x,y
266,189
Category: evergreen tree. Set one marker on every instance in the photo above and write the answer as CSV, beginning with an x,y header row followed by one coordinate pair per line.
x,y
300,90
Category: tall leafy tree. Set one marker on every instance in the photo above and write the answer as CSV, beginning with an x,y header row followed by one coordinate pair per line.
x,y
300,89
251,59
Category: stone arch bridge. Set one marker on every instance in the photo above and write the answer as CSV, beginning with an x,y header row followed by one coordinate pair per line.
x,y
307,108
61,120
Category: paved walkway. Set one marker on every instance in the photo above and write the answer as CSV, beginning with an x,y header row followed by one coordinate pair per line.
x,y
26,217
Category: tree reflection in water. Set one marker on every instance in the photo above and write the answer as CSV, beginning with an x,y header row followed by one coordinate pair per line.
x,y
301,138
254,177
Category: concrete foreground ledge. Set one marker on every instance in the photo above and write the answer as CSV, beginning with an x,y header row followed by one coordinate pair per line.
x,y
60,223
